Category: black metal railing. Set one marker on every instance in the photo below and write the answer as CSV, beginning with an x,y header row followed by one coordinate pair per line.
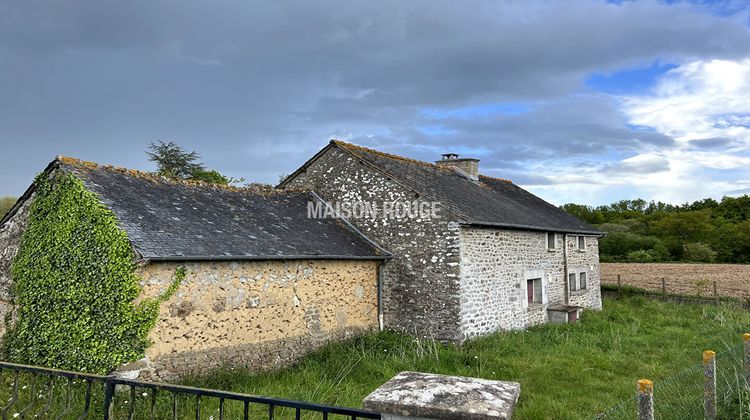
x,y
35,392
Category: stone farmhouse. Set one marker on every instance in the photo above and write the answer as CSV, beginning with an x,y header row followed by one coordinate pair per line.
x,y
264,283
267,282
497,258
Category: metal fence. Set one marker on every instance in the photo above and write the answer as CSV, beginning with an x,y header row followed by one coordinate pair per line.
x,y
34,392
685,394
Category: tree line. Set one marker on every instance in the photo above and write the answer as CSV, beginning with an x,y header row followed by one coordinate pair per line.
x,y
702,231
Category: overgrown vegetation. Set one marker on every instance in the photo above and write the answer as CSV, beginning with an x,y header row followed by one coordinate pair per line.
x,y
565,371
75,285
174,162
703,231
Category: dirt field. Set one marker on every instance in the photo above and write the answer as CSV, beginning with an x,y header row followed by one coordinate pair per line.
x,y
732,280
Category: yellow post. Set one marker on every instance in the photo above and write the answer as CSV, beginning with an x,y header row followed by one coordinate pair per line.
x,y
709,384
645,399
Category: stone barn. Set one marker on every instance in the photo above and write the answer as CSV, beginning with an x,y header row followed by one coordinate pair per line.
x,y
263,285
496,258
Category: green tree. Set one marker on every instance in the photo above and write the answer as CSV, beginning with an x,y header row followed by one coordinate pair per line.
x,y
639,256
213,177
735,209
664,229
698,252
583,212
693,226
742,242
174,162
618,244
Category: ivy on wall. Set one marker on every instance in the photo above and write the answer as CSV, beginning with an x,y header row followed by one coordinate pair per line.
x,y
75,284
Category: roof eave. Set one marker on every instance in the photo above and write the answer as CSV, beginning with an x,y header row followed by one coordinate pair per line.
x,y
202,258
534,228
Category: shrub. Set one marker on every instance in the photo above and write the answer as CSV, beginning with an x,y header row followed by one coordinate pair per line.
x,y
620,243
698,252
640,256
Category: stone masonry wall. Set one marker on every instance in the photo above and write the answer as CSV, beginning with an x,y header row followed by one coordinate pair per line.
x,y
588,261
10,240
420,288
495,265
255,314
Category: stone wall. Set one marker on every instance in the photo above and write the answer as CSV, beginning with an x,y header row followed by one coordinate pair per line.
x,y
586,260
495,265
732,280
255,314
420,288
10,240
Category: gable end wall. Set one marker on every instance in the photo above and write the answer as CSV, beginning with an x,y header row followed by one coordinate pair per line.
x,y
420,286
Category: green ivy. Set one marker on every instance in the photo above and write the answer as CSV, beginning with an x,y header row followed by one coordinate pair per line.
x,y
75,284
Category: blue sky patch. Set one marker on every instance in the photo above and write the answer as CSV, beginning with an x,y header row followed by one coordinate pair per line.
x,y
633,80
477,111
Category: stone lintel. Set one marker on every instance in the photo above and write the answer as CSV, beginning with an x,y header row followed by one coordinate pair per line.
x,y
431,396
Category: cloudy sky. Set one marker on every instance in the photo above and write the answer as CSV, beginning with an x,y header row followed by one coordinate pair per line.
x,y
578,101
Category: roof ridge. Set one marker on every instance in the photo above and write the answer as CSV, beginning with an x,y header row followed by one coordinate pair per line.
x,y
496,178
384,154
402,158
150,176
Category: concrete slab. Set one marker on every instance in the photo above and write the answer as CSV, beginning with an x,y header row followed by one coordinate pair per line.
x,y
430,396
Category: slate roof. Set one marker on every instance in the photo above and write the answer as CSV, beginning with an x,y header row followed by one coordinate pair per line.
x,y
489,202
169,220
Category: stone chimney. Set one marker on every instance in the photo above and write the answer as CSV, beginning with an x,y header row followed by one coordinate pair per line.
x,y
465,166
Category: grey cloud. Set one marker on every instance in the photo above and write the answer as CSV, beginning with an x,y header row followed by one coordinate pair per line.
x,y
711,143
739,191
649,165
257,87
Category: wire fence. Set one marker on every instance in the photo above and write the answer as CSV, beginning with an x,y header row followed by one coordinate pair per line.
x,y
681,396
667,294
681,288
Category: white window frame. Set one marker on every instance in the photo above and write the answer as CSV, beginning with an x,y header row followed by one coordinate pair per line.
x,y
578,243
576,273
575,281
581,285
531,275
554,241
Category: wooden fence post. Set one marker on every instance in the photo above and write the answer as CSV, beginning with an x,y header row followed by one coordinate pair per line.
x,y
619,281
709,384
746,342
645,399
716,293
664,288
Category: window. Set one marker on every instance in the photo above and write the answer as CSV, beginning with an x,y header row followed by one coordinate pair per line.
x,y
572,282
581,243
582,278
551,240
534,290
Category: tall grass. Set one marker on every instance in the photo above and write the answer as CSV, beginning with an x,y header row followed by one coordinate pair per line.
x,y
565,371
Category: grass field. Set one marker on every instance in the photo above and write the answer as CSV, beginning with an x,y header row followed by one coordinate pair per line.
x,y
565,371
